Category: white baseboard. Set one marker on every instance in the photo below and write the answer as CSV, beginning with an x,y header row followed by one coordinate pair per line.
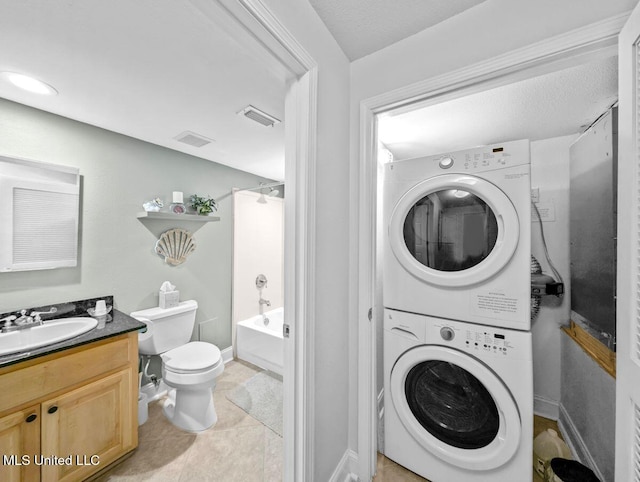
x,y
546,408
227,354
575,442
347,468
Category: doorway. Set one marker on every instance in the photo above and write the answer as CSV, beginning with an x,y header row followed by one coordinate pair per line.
x,y
502,71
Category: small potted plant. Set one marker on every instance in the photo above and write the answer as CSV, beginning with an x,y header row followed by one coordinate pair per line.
x,y
203,205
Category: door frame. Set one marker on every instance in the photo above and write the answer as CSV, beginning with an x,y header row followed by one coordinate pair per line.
x,y
252,24
578,46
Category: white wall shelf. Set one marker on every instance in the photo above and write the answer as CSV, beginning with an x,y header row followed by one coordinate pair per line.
x,y
177,217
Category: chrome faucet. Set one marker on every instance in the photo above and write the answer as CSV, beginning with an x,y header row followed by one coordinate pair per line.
x,y
262,301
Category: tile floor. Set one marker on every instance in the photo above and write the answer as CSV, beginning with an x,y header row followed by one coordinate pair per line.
x,y
238,448
389,471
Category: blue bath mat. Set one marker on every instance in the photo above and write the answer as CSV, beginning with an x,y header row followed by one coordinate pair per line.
x,y
261,397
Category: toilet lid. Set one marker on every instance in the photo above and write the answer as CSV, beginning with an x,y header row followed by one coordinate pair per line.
x,y
193,356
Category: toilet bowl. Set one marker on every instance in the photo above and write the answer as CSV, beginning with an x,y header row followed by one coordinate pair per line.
x,y
189,369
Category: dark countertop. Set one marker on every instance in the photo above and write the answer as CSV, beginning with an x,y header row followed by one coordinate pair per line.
x,y
121,323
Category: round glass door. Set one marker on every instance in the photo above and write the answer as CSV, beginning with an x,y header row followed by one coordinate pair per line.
x,y
456,407
450,230
454,230
451,404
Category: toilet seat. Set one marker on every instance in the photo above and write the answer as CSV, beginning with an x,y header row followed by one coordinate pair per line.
x,y
196,356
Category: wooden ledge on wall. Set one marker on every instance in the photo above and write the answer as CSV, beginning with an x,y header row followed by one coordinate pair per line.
x,y
602,355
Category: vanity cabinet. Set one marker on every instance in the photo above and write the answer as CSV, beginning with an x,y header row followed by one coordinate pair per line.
x,y
66,416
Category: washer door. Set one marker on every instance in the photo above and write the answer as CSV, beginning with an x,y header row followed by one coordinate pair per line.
x,y
455,407
454,230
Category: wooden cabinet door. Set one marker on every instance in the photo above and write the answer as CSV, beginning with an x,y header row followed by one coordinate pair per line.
x,y
20,445
89,427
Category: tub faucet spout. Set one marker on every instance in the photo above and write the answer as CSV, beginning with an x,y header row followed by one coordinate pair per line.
x,y
264,302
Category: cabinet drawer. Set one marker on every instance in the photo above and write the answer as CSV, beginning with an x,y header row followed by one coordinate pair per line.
x,y
63,370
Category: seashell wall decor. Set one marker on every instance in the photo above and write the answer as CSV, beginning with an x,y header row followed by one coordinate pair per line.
x,y
175,245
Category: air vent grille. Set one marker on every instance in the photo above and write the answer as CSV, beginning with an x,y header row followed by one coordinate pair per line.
x,y
259,116
193,139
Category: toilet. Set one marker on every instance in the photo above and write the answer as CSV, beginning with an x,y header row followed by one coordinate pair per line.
x,y
189,368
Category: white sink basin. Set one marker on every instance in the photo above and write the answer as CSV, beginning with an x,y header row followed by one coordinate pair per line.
x,y
41,335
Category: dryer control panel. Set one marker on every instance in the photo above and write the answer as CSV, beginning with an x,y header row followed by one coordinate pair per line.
x,y
478,159
483,159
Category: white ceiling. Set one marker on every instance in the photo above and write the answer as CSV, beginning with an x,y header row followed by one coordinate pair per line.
x,y
150,69
551,105
362,27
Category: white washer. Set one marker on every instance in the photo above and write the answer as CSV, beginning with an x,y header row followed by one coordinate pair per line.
x,y
457,241
458,399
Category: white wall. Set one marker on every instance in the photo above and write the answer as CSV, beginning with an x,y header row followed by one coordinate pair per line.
x,y
331,341
489,29
258,248
550,173
116,250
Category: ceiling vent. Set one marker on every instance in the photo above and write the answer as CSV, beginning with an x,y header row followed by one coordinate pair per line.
x,y
193,139
260,117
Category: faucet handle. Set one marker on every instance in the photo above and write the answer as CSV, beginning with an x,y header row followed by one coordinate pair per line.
x,y
37,314
261,281
8,319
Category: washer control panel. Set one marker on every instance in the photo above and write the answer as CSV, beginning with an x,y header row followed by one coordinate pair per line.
x,y
488,340
480,341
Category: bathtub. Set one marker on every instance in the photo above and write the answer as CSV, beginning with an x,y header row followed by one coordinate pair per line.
x,y
261,343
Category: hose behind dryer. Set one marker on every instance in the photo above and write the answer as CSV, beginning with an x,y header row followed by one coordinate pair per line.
x,y
535,299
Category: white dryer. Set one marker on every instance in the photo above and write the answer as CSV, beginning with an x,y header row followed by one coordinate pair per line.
x,y
458,399
457,235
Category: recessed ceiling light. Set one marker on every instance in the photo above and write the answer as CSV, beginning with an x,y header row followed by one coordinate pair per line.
x,y
29,83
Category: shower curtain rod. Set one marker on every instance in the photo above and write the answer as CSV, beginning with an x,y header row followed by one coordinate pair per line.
x,y
261,186
254,188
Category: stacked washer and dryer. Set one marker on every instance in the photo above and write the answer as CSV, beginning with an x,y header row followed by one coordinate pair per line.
x,y
458,368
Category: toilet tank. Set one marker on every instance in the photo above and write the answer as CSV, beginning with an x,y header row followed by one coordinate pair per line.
x,y
167,328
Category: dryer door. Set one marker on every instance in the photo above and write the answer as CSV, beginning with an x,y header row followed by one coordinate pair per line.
x,y
454,230
455,407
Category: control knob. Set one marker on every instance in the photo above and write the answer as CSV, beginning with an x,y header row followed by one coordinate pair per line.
x,y
447,333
